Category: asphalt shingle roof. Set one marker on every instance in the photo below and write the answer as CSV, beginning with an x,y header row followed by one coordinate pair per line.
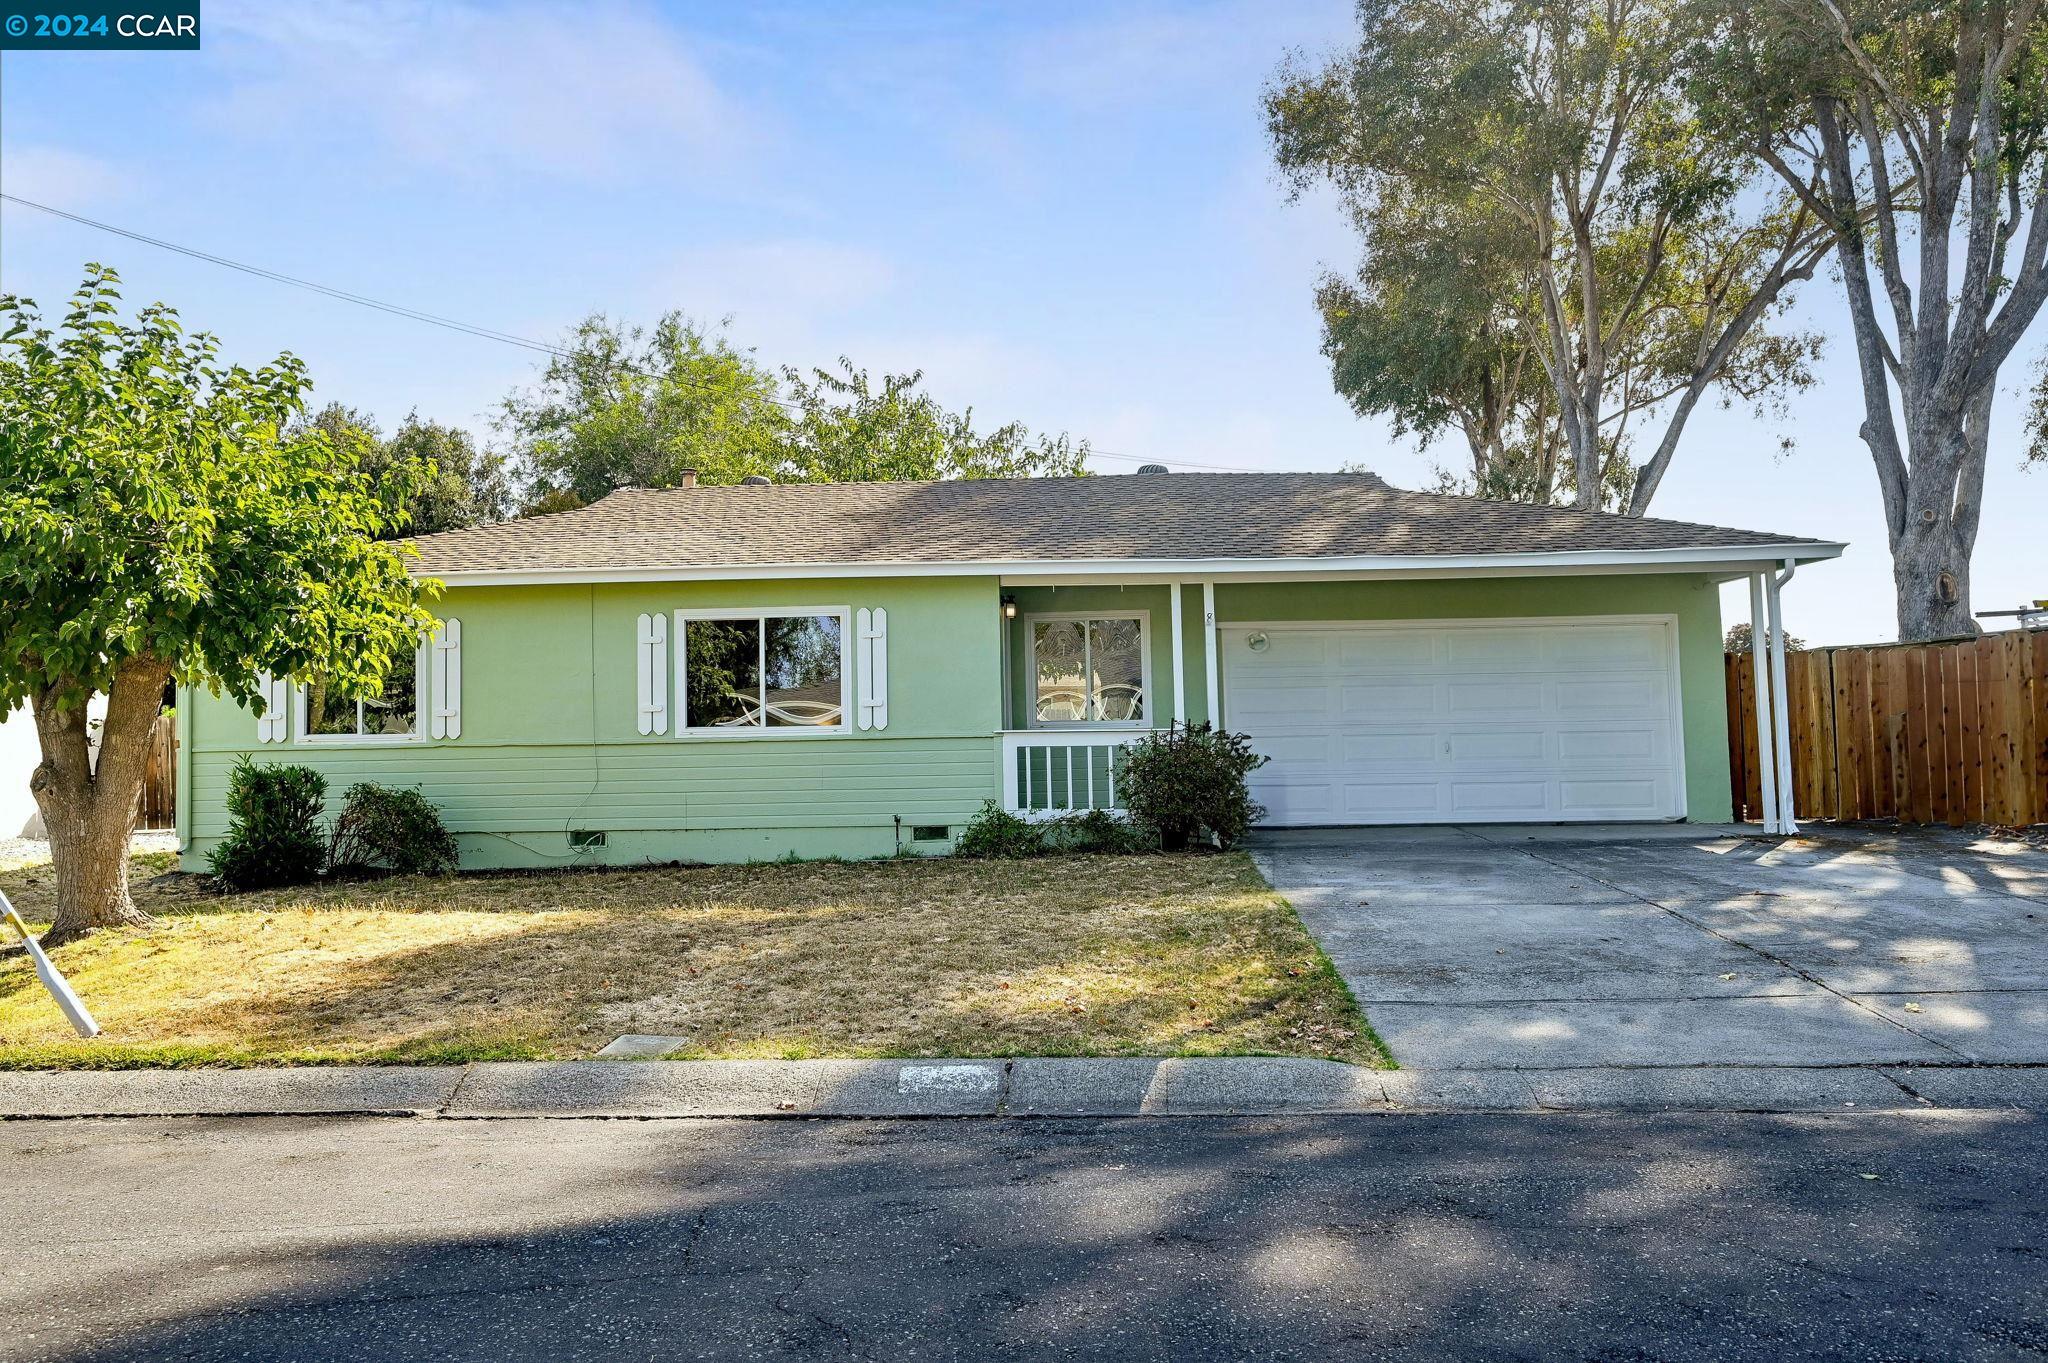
x,y
1122,516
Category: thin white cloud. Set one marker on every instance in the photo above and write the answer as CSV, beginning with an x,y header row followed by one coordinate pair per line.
x,y
60,178
781,285
587,92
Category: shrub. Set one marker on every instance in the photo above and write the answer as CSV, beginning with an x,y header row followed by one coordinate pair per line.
x,y
1189,782
393,830
273,833
1098,830
996,832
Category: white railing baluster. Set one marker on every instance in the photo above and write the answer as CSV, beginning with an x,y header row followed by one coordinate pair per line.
x,y
1034,792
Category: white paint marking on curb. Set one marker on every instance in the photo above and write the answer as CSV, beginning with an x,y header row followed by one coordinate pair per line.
x,y
948,1079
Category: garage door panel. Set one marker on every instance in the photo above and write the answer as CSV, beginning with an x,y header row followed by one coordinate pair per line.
x,y
1504,696
1391,650
1447,721
1500,799
1387,701
1581,747
1393,751
1609,695
1610,799
1391,801
1491,747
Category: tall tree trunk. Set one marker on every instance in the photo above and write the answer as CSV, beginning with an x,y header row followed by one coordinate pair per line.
x,y
1937,533
88,808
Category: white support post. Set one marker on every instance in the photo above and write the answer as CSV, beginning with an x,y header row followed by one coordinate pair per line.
x,y
1781,708
1766,758
1214,697
1180,668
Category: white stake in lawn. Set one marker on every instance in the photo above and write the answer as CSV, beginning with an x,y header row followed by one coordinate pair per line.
x,y
53,978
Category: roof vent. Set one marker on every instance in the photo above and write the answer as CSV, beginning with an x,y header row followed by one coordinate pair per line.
x,y
1153,468
755,480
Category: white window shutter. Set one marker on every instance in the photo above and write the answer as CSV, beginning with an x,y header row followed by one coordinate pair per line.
x,y
445,688
273,725
872,661
653,673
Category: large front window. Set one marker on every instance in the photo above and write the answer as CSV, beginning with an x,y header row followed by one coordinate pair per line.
x,y
392,713
764,671
1088,669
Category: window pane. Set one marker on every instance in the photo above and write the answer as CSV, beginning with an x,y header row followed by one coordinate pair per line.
x,y
397,710
1056,654
328,711
723,671
803,671
1116,650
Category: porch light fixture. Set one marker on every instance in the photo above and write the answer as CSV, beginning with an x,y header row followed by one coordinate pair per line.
x,y
1009,608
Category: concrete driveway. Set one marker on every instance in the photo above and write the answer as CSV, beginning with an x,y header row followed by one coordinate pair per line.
x,y
1558,947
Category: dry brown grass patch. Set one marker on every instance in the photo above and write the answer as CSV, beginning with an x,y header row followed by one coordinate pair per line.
x,y
1065,956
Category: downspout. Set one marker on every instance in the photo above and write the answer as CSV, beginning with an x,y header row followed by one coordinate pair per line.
x,y
1781,705
1760,669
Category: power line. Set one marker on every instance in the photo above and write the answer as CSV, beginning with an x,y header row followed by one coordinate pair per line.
x,y
466,328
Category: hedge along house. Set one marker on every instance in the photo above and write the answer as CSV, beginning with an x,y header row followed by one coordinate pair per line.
x,y
733,673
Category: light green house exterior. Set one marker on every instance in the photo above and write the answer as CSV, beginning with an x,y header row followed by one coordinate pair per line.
x,y
551,748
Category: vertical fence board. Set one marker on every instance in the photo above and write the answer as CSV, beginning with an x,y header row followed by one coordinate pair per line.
x,y
2037,683
1953,732
1938,662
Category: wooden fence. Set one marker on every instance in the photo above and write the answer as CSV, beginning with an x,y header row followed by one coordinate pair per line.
x,y
1951,733
158,807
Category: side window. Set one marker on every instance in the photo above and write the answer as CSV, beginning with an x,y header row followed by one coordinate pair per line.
x,y
765,671
326,714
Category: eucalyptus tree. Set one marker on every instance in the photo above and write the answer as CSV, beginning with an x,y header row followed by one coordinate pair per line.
x,y
1627,258
165,516
1919,132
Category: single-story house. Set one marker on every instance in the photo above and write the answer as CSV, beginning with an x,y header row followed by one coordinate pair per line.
x,y
748,672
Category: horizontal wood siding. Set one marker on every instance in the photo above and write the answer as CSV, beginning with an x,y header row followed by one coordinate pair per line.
x,y
685,785
1949,733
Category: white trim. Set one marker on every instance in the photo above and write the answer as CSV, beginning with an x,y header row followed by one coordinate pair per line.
x,y
1180,670
1729,557
1144,619
750,733
423,661
1212,657
1767,765
1781,705
1674,660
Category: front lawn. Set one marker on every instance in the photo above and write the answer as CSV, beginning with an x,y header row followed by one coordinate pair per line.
x,y
1149,956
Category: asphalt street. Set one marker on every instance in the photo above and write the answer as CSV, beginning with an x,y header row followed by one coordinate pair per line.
x,y
1464,1236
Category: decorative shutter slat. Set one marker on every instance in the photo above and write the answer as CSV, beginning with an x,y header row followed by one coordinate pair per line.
x,y
653,674
445,688
273,725
872,654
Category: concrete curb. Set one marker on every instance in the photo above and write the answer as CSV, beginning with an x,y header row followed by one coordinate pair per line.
x,y
998,1088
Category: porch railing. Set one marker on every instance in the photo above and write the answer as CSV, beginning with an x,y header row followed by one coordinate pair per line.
x,y
1050,772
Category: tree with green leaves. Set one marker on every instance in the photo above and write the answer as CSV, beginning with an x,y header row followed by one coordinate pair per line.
x,y
434,475
848,430
628,407
1919,134
1544,156
164,517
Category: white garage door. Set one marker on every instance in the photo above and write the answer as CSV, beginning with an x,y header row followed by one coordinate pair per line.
x,y
1465,722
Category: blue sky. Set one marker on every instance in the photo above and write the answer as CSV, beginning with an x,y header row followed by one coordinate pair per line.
x,y
1064,214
